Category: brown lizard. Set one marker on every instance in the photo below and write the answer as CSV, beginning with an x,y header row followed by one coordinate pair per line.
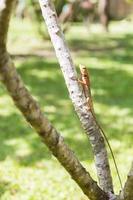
x,y
85,82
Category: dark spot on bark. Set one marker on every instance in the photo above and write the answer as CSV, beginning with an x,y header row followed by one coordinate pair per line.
x,y
42,133
91,130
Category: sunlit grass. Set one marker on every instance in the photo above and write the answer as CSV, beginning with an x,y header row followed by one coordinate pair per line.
x,y
27,169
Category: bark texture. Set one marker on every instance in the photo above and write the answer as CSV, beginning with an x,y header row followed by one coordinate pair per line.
x,y
127,193
4,20
32,113
79,101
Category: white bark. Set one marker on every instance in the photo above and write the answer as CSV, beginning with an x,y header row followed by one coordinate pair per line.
x,y
79,101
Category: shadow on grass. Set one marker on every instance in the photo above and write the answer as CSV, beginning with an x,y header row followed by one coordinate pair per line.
x,y
106,48
116,86
16,138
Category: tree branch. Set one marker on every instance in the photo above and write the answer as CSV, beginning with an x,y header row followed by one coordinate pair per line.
x,y
86,118
5,12
32,113
127,193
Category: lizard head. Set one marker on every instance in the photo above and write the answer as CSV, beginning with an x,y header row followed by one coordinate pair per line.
x,y
83,70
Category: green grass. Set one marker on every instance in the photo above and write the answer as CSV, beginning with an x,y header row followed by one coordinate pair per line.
x,y
28,171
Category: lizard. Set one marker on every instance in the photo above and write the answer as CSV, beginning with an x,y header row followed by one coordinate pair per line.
x,y
85,82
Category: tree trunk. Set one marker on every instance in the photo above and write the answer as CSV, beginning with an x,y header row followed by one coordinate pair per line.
x,y
103,10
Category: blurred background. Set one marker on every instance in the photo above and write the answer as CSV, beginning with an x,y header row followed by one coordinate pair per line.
x,y
100,36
